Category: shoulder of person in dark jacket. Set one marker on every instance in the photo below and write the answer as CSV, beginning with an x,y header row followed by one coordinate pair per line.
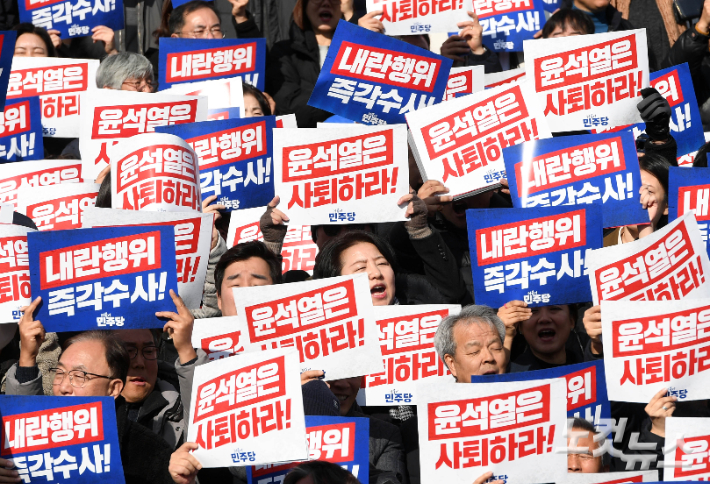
x,y
489,60
411,289
692,47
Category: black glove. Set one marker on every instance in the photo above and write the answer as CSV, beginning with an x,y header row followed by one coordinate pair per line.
x,y
656,113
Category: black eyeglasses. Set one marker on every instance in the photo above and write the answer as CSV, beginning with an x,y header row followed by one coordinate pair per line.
x,y
148,352
77,378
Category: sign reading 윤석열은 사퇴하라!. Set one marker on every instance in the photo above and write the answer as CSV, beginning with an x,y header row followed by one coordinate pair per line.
x,y
407,342
495,79
506,25
689,191
374,79
513,431
102,278
689,439
192,60
670,264
536,255
60,439
73,18
250,406
217,337
40,173
21,131
235,159
464,81
578,170
650,345
14,271
57,207
404,17
587,77
331,176
460,142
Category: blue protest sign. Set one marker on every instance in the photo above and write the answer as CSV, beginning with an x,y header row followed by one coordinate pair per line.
x,y
374,79
103,278
177,3
235,157
21,131
577,170
7,51
193,60
74,18
61,439
223,113
586,387
536,255
689,191
344,441
507,24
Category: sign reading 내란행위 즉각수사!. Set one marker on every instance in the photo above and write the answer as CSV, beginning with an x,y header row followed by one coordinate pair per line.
x,y
14,271
536,255
74,18
21,131
374,79
589,77
57,207
689,441
40,173
506,25
667,265
689,191
463,81
7,49
404,17
103,278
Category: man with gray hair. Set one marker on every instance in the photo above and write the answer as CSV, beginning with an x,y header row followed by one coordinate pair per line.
x,y
471,343
126,71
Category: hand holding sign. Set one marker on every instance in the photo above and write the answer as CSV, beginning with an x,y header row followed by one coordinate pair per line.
x,y
484,479
31,335
105,35
6,472
512,313
429,192
472,33
593,326
180,328
658,409
184,466
370,21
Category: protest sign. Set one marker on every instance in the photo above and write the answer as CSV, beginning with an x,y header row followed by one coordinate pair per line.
x,y
21,131
61,439
536,255
460,142
220,93
611,477
589,77
58,83
585,384
512,431
14,271
298,252
344,441
331,176
495,79
108,119
73,18
155,171
651,345
191,60
463,81
192,235
330,322
506,25
102,278
373,79
667,265
578,170
41,173
250,407
403,17
217,337
407,341
7,213
234,157
286,121
686,449
223,113
7,49
57,207
689,191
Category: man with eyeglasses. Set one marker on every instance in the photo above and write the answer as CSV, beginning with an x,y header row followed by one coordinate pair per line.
x,y
198,19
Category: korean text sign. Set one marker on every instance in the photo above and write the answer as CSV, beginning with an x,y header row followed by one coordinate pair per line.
x,y
668,265
58,83
513,430
192,236
589,77
220,93
689,191
407,342
507,24
329,321
331,176
235,159
373,79
7,49
403,17
60,439
73,18
41,173
611,477
649,345
578,170
191,60
102,278
344,441
460,142
58,207
21,131
14,272
463,81
217,337
495,79
536,255
156,171
248,405
688,440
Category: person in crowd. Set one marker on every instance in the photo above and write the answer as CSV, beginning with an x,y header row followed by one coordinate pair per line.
x,y
604,16
126,71
581,445
100,44
33,42
466,48
701,157
319,472
255,102
654,191
567,23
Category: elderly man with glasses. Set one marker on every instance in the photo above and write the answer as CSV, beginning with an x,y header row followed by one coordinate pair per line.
x,y
198,19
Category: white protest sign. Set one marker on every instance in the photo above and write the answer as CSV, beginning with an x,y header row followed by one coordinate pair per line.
x,y
670,264
588,77
40,173
298,251
407,342
59,83
611,477
329,321
193,239
220,93
464,80
7,212
217,337
404,17
57,207
650,345
14,272
459,142
286,121
687,449
155,171
110,116
495,79
252,403
513,429
331,176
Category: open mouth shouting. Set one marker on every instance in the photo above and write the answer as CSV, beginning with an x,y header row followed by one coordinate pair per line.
x,y
378,292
